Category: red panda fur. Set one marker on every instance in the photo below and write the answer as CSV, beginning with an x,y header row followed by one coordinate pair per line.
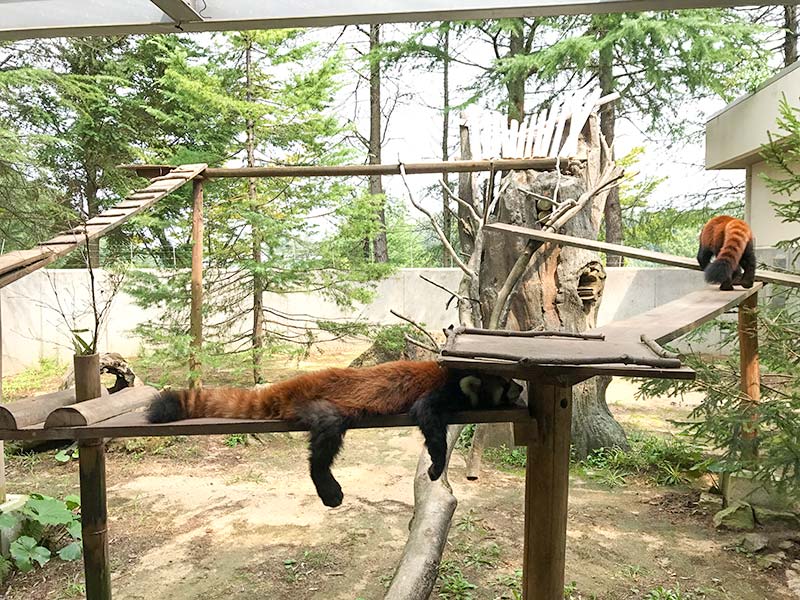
x,y
387,388
730,242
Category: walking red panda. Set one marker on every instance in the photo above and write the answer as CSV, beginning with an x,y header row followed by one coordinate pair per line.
x,y
328,402
730,241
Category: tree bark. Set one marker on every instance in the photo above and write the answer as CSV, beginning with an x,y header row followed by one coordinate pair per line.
x,y
380,250
790,34
608,120
516,85
92,208
562,287
257,338
447,226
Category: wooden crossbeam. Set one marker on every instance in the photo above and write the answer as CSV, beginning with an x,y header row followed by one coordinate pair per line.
x,y
619,250
16,265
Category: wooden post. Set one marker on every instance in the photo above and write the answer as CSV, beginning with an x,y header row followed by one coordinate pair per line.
x,y
96,565
2,447
196,319
546,491
750,374
92,468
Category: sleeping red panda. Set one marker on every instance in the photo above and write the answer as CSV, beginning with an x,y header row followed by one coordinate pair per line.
x,y
329,401
730,241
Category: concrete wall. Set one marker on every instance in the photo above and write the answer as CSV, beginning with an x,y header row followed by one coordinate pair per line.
x,y
735,134
32,327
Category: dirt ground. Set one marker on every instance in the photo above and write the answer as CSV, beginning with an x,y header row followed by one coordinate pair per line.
x,y
195,518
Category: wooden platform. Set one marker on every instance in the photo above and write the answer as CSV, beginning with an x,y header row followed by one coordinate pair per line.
x,y
16,265
672,260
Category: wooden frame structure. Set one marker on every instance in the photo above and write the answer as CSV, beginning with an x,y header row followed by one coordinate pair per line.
x,y
544,426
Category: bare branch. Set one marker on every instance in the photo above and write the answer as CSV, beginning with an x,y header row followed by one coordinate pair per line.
x,y
439,232
419,344
453,295
416,325
464,203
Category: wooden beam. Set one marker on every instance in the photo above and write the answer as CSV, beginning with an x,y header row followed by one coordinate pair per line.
x,y
94,519
546,491
30,411
196,315
671,320
101,408
618,250
178,10
750,374
452,166
135,424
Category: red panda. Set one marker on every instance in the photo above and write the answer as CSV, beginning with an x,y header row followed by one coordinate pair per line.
x,y
328,401
730,241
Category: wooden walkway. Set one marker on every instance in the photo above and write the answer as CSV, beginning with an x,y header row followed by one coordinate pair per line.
x,y
618,250
15,265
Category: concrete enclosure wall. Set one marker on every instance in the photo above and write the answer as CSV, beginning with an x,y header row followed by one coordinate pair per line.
x,y
33,328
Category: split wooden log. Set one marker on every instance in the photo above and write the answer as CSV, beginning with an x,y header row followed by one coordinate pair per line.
x,y
434,505
35,410
100,409
114,364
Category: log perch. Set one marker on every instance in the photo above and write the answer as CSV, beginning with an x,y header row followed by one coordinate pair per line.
x,y
100,409
434,506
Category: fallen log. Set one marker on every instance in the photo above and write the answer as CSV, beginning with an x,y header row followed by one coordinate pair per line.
x,y
434,505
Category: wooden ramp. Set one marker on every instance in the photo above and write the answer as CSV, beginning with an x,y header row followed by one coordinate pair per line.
x,y
672,260
15,265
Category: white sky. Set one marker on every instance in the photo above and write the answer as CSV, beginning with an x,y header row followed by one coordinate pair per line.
x,y
414,129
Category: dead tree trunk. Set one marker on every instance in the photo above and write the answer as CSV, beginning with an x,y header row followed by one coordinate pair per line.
x,y
562,287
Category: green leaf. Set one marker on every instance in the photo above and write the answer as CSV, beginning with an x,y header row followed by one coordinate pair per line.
x,y
75,529
25,551
70,552
48,511
62,457
7,520
72,501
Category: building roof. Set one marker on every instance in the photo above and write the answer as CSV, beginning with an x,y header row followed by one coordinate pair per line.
x,y
21,19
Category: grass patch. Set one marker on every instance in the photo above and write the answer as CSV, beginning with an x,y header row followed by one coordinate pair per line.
x,y
46,375
656,460
508,459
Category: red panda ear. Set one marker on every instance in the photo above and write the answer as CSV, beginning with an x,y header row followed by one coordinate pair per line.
x,y
471,386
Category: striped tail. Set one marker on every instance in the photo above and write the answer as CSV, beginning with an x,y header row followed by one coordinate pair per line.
x,y
169,406
720,270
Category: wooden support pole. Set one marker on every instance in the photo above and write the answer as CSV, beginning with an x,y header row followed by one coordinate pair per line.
x,y
2,447
92,464
546,491
93,488
196,318
750,374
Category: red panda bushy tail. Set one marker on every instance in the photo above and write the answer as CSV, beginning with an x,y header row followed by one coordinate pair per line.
x,y
736,237
168,407
719,270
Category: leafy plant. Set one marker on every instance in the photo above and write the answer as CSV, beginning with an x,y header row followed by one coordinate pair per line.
x,y
453,585
509,458
235,439
49,526
67,454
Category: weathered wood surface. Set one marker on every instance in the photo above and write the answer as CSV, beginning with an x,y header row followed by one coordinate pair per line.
x,y
94,519
451,166
15,265
196,308
101,409
671,320
434,505
672,260
30,411
546,492
134,424
572,372
556,350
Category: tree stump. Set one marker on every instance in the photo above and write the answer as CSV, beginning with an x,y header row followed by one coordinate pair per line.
x,y
116,365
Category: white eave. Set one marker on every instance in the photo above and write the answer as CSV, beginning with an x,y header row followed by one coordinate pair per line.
x,y
21,19
735,134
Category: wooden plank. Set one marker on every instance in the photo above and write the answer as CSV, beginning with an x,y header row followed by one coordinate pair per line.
x,y
134,424
571,372
30,411
546,492
750,373
101,409
21,258
671,320
94,519
18,264
618,250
